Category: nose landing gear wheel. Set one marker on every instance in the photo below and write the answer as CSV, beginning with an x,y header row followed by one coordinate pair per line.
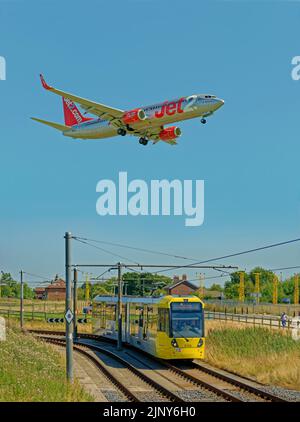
x,y
203,121
121,131
143,141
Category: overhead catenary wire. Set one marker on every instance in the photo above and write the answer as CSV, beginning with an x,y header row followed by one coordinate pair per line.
x,y
285,268
236,254
37,275
189,258
155,252
104,250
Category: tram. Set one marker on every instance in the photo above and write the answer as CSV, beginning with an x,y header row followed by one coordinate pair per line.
x,y
168,327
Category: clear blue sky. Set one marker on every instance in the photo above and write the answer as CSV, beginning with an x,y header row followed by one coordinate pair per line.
x,y
130,53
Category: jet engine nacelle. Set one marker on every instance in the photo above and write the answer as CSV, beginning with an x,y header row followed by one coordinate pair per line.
x,y
170,133
134,116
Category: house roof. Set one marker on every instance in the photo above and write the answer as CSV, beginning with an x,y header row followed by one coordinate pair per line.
x,y
57,284
186,282
39,289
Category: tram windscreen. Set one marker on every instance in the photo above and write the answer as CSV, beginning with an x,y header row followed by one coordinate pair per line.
x,y
186,319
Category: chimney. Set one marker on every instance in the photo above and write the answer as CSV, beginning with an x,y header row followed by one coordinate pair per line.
x,y
184,277
176,278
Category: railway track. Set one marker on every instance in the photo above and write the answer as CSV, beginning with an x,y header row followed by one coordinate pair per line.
x,y
139,387
221,384
108,374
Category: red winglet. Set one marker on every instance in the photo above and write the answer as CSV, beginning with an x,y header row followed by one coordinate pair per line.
x,y
45,85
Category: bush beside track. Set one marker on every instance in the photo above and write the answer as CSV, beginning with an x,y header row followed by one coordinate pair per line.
x,y
262,354
33,371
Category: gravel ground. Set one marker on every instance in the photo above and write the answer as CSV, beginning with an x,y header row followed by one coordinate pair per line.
x,y
199,396
114,396
290,395
151,397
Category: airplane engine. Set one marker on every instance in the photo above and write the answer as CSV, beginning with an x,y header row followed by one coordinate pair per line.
x,y
170,133
134,116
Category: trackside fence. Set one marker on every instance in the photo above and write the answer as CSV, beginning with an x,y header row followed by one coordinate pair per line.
x,y
10,314
254,320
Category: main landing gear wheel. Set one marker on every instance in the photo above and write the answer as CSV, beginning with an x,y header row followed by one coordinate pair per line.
x,y
143,141
121,131
203,121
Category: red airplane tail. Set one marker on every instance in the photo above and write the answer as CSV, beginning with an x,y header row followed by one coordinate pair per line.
x,y
72,114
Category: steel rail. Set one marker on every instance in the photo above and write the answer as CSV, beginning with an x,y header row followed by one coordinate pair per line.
x,y
132,397
239,383
162,390
213,372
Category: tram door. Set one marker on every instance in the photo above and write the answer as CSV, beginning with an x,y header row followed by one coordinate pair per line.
x,y
127,323
140,323
163,328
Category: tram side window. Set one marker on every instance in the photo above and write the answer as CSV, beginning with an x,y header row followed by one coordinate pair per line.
x,y
132,319
141,317
150,317
163,320
102,315
111,312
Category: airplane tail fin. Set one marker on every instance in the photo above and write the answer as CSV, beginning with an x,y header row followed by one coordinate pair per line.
x,y
57,126
72,114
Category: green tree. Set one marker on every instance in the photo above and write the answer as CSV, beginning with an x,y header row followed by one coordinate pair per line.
x,y
266,279
136,284
231,288
11,288
288,287
216,287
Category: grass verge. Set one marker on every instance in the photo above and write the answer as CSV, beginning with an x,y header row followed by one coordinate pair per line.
x,y
32,371
269,356
42,325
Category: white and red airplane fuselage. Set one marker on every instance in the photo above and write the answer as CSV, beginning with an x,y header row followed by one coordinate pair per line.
x,y
145,122
153,116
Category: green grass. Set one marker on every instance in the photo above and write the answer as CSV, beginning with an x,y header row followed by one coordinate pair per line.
x,y
251,340
33,371
270,356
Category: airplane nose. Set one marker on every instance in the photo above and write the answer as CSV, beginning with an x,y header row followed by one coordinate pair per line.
x,y
219,103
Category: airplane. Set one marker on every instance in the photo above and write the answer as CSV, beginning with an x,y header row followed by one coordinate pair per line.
x,y
147,123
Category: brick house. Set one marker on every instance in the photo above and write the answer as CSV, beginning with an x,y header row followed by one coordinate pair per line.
x,y
40,293
181,287
56,290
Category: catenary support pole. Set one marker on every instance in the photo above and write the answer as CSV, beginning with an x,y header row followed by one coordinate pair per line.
x,y
69,315
75,301
119,307
22,302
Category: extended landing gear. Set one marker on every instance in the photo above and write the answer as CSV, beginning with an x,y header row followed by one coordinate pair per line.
x,y
143,141
203,121
121,131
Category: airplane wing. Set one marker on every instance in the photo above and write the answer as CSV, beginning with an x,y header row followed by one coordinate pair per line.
x,y
107,113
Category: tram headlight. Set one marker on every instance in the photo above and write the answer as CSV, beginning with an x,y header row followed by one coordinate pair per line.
x,y
200,343
174,343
